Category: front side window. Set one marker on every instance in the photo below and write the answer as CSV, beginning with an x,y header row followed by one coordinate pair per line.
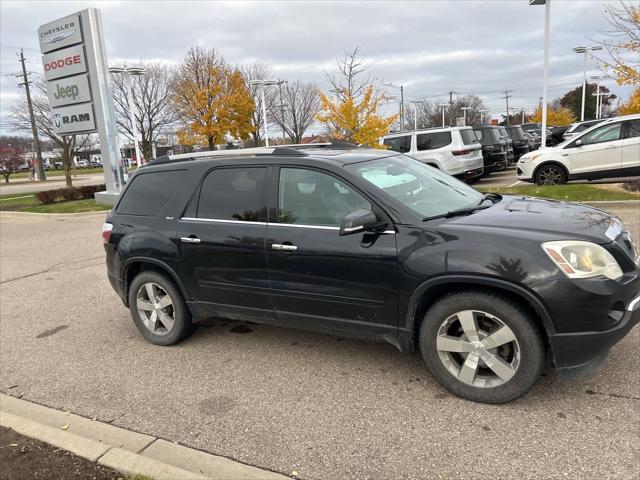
x,y
149,192
399,144
309,197
606,133
423,189
432,141
233,194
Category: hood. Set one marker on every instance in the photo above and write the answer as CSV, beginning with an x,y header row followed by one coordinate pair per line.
x,y
557,220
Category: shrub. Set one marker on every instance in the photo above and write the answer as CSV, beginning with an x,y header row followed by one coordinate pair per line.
x,y
69,193
632,186
88,191
47,197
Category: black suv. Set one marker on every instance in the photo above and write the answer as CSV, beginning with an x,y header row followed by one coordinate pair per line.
x,y
508,144
494,148
376,245
520,140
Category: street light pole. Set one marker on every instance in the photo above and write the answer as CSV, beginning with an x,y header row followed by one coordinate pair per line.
x,y
128,72
401,88
585,50
262,83
443,106
482,112
464,114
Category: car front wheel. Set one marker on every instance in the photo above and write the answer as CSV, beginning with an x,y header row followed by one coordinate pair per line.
x,y
482,347
158,309
551,175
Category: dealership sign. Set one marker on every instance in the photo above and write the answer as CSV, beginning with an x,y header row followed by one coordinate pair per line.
x,y
75,69
63,63
70,90
61,33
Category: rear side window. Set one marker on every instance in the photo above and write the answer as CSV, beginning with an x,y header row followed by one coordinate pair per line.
x,y
431,141
633,128
149,192
478,134
399,144
468,136
233,194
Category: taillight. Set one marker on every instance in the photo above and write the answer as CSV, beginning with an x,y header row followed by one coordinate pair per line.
x,y
461,152
107,228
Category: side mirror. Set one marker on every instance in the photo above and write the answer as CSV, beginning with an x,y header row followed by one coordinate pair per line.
x,y
359,221
578,143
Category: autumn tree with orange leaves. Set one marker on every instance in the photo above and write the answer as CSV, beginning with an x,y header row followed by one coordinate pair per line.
x,y
352,113
211,99
555,116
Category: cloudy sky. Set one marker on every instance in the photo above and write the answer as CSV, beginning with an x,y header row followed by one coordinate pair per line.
x,y
430,47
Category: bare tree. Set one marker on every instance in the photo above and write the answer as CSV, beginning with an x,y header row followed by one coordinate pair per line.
x,y
429,113
300,105
44,124
151,96
258,71
348,82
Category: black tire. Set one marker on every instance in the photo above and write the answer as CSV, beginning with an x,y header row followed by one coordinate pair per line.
x,y
182,326
550,174
529,343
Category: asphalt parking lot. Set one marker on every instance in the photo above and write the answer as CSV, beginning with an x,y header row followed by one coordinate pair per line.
x,y
287,400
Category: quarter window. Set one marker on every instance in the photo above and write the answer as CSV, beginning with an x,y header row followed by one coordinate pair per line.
x,y
432,141
308,197
468,137
606,133
633,128
233,194
399,144
149,192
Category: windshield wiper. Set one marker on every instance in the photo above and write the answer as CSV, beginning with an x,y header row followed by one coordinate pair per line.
x,y
490,196
457,213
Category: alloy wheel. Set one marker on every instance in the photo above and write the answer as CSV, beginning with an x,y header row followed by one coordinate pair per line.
x,y
478,349
550,176
155,308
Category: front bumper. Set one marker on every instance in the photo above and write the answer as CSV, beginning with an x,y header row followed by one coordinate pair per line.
x,y
583,350
524,171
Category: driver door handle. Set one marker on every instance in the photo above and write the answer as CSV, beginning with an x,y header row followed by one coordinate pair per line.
x,y
283,247
192,239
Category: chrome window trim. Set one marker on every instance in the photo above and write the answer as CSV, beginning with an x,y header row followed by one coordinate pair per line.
x,y
214,220
296,225
633,305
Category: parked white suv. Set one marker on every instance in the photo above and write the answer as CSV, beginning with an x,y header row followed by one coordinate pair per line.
x,y
576,128
454,150
609,149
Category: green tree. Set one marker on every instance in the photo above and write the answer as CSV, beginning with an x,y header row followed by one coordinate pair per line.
x,y
573,100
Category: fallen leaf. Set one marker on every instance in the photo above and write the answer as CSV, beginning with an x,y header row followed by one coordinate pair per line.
x,y
294,474
66,427
13,444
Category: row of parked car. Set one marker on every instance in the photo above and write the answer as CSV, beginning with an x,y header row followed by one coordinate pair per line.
x,y
464,152
473,152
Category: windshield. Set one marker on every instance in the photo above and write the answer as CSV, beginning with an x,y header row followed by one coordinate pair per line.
x,y
421,188
490,136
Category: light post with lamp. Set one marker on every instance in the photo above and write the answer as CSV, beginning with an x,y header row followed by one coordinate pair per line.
x,y
262,83
585,50
443,106
128,72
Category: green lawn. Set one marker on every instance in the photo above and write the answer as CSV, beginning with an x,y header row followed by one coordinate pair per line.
x,y
30,203
571,193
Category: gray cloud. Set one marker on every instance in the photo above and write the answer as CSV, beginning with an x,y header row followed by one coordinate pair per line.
x,y
432,47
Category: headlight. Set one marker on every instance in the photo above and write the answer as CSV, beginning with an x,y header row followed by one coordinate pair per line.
x,y
582,259
529,158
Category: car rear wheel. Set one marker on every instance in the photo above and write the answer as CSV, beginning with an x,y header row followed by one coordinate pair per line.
x,y
158,309
482,347
551,175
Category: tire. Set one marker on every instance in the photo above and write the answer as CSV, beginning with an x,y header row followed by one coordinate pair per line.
x,y
524,355
550,174
159,330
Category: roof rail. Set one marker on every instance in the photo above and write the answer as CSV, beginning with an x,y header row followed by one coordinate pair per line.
x,y
326,145
238,152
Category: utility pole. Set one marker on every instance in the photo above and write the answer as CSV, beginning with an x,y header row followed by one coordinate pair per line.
x,y
507,97
34,131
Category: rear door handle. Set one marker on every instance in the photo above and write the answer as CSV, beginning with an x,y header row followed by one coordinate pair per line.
x,y
189,239
285,248
611,146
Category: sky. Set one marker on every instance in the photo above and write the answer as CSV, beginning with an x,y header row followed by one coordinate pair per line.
x,y
431,47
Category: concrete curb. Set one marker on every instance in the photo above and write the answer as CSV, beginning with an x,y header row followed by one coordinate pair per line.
x,y
614,203
121,449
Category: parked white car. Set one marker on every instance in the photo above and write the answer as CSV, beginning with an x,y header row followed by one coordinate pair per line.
x,y
576,128
454,150
609,149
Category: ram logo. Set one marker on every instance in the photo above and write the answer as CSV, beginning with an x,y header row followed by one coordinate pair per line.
x,y
56,120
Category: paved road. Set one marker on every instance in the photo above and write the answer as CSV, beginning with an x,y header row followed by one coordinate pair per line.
x,y
55,182
508,178
289,400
